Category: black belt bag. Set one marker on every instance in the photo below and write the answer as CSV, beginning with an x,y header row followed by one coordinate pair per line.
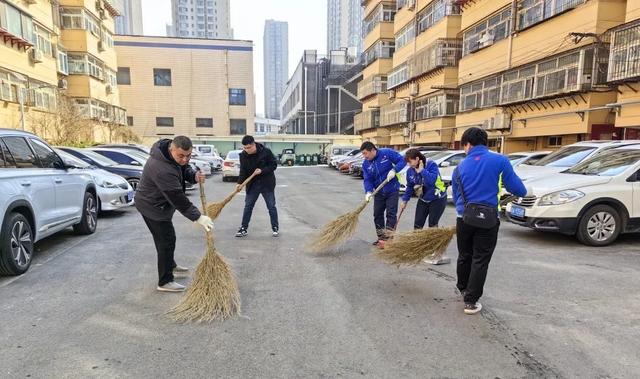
x,y
477,215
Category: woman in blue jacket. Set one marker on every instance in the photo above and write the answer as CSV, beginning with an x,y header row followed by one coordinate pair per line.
x,y
423,179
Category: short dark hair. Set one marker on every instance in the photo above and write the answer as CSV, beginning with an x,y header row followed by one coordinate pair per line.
x,y
475,136
182,142
413,154
368,146
248,140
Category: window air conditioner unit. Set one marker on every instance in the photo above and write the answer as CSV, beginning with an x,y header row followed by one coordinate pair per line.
x,y
405,132
411,4
101,46
487,124
502,121
109,89
36,56
392,94
63,84
414,89
103,14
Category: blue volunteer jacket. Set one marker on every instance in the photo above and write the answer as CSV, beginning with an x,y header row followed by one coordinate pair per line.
x,y
482,174
433,187
376,170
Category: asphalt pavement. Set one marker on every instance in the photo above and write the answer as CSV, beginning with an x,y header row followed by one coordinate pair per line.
x,y
88,306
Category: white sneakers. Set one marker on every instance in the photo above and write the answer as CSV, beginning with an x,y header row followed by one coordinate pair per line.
x,y
180,272
472,309
171,287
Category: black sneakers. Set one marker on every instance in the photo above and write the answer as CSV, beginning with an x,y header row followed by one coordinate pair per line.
x,y
242,232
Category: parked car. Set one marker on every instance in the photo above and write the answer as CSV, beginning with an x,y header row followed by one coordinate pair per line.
x,y
447,161
357,168
346,164
528,158
566,157
231,165
39,196
288,157
121,156
595,200
206,150
132,174
127,146
214,162
113,191
333,160
340,150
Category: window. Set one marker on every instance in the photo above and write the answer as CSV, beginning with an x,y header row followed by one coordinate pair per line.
x,y
394,113
382,13
398,76
129,120
204,123
624,61
16,22
84,64
6,160
436,106
164,121
555,141
43,41
22,154
111,77
435,12
123,76
41,96
406,35
531,12
95,67
48,158
72,18
107,38
162,76
455,160
441,53
237,96
482,94
63,63
238,127
487,32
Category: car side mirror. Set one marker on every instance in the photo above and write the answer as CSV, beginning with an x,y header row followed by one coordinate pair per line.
x,y
445,164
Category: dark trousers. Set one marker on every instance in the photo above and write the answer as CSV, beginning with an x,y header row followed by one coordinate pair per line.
x,y
250,202
475,248
432,209
385,202
164,237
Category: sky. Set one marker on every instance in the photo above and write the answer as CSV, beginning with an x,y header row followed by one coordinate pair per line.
x,y
307,28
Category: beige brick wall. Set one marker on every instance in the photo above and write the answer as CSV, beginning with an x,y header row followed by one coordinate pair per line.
x,y
200,78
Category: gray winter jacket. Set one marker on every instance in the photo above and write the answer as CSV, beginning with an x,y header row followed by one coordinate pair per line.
x,y
162,187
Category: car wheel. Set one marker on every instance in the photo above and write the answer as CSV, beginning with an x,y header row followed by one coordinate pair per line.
x,y
89,220
599,226
133,182
224,178
16,249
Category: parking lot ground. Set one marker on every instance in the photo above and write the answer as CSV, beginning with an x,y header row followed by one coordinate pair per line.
x,y
88,306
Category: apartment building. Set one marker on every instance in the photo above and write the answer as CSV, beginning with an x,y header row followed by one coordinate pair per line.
x,y
624,72
52,51
201,19
536,74
201,88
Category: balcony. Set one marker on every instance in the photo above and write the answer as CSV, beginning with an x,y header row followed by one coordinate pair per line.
x,y
372,86
367,120
394,113
442,53
624,60
382,49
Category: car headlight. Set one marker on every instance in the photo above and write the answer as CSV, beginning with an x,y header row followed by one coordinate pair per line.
x,y
560,197
105,183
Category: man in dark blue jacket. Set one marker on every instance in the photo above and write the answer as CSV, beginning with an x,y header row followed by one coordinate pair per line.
x,y
380,165
477,180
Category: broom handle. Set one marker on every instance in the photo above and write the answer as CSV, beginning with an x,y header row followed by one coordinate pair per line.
x,y
203,199
246,181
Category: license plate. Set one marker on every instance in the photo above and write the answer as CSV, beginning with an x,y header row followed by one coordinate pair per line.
x,y
130,196
517,211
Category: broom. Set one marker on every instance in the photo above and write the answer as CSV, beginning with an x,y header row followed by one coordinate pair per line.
x,y
413,247
214,292
390,233
214,209
340,229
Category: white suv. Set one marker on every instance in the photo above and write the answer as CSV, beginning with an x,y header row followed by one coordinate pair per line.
x,y
595,200
38,197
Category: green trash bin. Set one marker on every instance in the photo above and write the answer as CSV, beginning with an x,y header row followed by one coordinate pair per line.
x,y
306,160
314,159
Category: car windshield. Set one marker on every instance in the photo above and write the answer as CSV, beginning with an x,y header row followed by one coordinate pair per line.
x,y
515,157
609,163
70,160
440,155
138,154
205,149
101,160
566,157
233,155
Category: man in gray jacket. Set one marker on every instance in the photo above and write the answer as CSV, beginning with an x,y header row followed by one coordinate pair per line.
x,y
160,193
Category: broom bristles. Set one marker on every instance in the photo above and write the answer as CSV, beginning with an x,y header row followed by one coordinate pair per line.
x,y
214,293
214,209
413,247
337,231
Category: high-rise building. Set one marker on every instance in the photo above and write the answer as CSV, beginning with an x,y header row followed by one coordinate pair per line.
x,y
344,25
276,65
201,19
130,20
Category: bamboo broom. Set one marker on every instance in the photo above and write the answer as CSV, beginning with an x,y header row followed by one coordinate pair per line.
x,y
413,247
340,229
214,292
214,209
